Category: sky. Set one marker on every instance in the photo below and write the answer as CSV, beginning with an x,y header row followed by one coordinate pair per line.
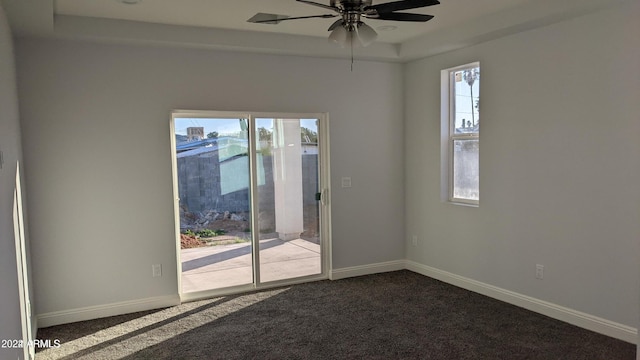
x,y
229,126
463,101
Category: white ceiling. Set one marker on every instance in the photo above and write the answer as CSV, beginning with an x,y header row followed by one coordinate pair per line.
x,y
223,24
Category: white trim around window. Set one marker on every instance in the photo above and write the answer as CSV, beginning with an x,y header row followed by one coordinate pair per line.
x,y
460,136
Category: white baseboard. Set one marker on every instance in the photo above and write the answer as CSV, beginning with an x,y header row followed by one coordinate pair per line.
x,y
100,311
369,269
580,319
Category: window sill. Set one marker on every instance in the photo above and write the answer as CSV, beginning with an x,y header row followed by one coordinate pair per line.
x,y
461,203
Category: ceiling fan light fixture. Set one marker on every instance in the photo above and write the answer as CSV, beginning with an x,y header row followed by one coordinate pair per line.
x,y
339,36
366,34
356,36
345,38
353,40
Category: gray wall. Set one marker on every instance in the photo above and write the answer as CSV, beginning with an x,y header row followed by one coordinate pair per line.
x,y
10,321
102,194
559,166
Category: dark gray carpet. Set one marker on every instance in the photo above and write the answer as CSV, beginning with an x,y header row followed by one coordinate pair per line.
x,y
398,315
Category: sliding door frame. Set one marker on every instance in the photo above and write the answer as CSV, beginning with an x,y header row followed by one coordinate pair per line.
x,y
324,184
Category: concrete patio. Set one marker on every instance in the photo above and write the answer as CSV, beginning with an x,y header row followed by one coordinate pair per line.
x,y
220,266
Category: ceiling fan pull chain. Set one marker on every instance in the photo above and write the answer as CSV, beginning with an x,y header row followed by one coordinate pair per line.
x,y
352,55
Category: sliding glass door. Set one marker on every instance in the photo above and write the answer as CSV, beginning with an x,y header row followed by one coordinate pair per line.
x,y
249,203
213,178
288,216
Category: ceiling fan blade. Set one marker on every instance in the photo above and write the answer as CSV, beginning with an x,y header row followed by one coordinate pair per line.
x,y
395,16
328,7
398,5
325,16
335,25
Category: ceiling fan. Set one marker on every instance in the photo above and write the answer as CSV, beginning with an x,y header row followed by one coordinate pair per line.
x,y
349,30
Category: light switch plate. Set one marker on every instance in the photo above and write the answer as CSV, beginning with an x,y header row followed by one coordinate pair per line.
x,y
156,270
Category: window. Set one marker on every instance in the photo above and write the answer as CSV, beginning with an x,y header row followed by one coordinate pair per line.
x,y
461,125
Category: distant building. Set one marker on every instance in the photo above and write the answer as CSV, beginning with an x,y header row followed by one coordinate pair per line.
x,y
195,133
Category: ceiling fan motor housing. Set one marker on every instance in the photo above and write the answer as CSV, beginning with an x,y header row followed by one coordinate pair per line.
x,y
351,20
352,3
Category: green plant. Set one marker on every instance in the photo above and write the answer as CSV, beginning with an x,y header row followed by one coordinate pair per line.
x,y
207,233
189,232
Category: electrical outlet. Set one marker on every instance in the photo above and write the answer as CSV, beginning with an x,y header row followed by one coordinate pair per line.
x,y
156,270
414,240
346,182
539,271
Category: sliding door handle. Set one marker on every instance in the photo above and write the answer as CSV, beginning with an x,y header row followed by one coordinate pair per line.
x,y
322,197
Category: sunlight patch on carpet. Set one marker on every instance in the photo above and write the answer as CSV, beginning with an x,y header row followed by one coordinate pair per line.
x,y
132,336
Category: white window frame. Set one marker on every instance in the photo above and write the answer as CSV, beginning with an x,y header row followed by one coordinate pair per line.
x,y
449,136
